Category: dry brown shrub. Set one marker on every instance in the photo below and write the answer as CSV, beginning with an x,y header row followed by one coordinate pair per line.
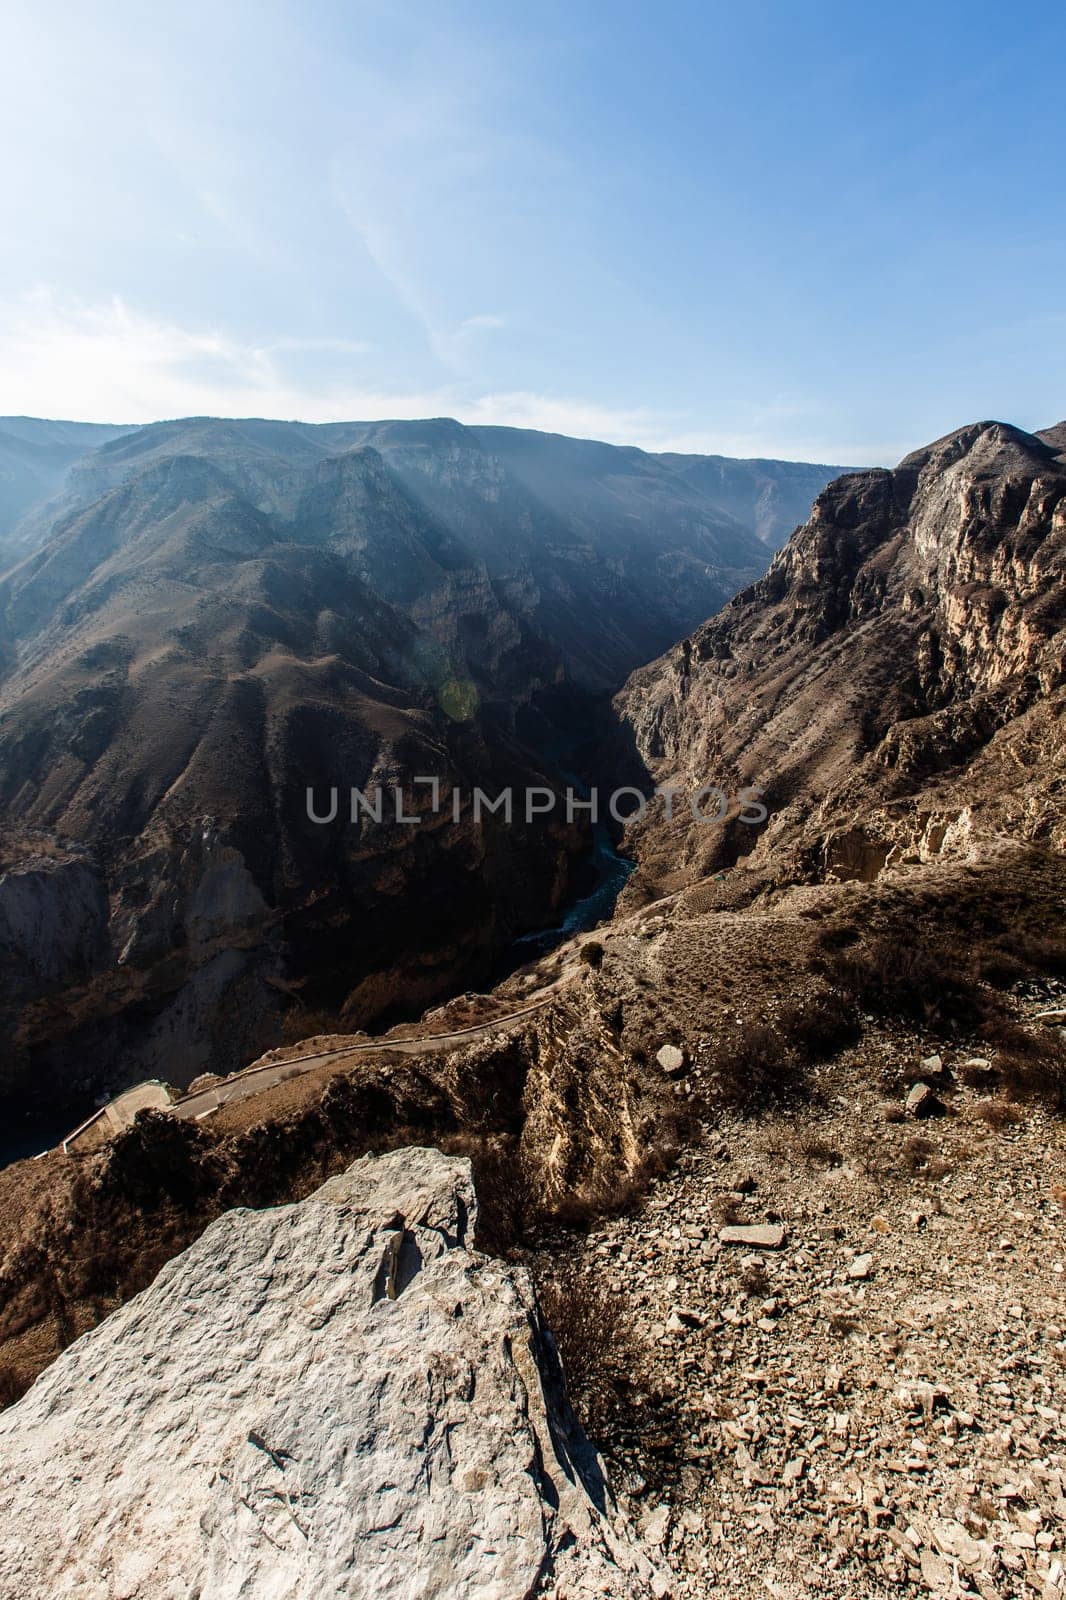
x,y
1029,1066
919,975
998,1113
916,1155
594,1334
819,1026
756,1067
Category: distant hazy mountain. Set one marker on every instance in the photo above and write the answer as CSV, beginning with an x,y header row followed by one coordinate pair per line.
x,y
605,552
769,497
35,456
766,497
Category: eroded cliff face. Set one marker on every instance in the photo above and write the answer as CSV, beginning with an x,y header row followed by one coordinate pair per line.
x,y
340,1397
894,684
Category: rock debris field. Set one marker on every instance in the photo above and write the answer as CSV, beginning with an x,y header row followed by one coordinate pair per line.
x,y
854,1329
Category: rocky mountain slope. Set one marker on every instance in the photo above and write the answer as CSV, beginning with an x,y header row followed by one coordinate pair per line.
x,y
179,673
895,683
590,562
341,1397
202,619
781,1143
854,1322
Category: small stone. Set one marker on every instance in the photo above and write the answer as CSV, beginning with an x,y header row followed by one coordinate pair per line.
x,y
656,1526
672,1061
861,1267
952,1539
922,1102
880,1225
936,1574
759,1236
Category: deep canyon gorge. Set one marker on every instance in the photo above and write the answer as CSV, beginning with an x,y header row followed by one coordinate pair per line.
x,y
199,621
757,1128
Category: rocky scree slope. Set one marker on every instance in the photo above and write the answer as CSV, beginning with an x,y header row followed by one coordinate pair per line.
x,y
894,683
338,1397
853,1323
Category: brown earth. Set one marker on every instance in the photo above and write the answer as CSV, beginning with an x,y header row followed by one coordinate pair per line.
x,y
874,1407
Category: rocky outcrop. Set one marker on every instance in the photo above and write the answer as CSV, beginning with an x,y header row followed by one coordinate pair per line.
x,y
895,684
53,921
336,1398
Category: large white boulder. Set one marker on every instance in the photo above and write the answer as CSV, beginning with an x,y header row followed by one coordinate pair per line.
x,y
335,1398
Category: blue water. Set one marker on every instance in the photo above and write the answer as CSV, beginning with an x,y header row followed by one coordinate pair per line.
x,y
611,871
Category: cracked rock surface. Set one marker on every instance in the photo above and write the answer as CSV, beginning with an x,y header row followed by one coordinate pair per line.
x,y
339,1397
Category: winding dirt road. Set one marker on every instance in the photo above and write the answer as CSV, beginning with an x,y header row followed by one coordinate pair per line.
x,y
254,1080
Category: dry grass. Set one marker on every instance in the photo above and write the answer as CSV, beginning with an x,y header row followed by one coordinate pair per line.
x,y
768,1063
13,1385
998,1114
978,1077
1013,957
594,1335
818,1026
755,1067
1028,1066
920,1158
921,977
299,1024
815,1151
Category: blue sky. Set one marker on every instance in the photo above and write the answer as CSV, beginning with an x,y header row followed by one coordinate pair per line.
x,y
817,230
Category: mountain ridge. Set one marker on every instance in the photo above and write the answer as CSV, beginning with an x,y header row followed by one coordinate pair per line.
x,y
910,624
745,482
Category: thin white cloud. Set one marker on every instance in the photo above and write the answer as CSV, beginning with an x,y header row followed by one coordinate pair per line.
x,y
487,322
112,363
